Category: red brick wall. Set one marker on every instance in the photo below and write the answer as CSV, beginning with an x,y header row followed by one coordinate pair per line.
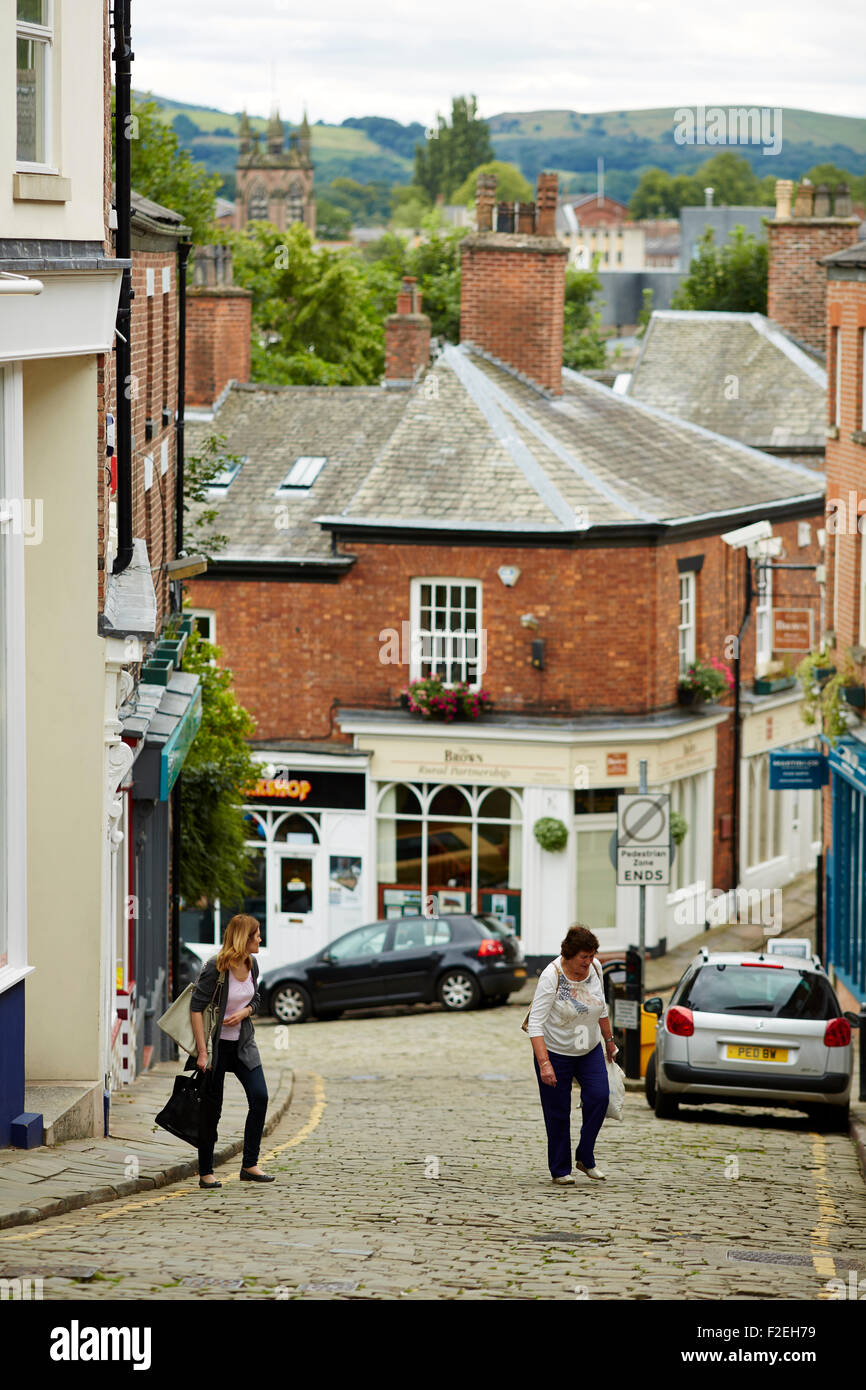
x,y
512,302
796,294
218,330
846,463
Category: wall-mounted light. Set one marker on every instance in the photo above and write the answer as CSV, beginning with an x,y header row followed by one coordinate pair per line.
x,y
509,574
529,620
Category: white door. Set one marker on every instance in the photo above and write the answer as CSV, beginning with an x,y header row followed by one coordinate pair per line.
x,y
297,921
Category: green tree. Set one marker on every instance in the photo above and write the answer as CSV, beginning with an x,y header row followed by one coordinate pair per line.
x,y
435,264
332,223
731,277
645,314
452,151
315,321
218,770
731,178
511,186
199,515
660,194
167,174
582,344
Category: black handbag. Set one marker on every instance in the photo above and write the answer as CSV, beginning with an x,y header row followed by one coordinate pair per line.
x,y
182,1116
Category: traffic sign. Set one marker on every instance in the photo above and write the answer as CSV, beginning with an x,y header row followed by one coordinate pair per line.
x,y
643,839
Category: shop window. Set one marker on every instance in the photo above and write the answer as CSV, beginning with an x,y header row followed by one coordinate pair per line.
x,y
296,830
596,801
34,45
450,801
685,800
447,638
765,814
596,877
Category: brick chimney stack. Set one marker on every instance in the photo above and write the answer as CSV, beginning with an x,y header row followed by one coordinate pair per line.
x,y
407,337
218,327
798,240
512,293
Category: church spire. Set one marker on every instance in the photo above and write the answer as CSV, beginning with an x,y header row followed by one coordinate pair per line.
x,y
306,140
276,135
244,134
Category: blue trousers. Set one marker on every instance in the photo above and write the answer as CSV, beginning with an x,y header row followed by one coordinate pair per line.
x,y
255,1086
591,1072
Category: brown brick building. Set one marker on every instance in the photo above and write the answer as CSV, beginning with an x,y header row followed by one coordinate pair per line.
x,y
520,527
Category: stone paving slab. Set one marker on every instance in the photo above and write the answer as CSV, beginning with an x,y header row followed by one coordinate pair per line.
x,y
50,1181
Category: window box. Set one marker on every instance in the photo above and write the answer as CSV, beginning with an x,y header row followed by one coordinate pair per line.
x,y
769,686
854,695
157,671
687,695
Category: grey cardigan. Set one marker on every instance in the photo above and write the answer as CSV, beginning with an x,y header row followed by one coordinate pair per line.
x,y
205,986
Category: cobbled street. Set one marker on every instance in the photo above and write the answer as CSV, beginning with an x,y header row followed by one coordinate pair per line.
x,y
411,1164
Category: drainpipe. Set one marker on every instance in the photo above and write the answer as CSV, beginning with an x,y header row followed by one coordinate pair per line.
x,y
183,253
122,352
735,818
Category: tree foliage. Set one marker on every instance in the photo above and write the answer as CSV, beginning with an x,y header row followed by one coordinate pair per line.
x,y
511,186
582,344
730,175
452,151
167,174
218,770
435,264
730,277
199,472
315,320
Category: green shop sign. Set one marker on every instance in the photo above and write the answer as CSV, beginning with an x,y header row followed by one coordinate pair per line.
x,y
174,753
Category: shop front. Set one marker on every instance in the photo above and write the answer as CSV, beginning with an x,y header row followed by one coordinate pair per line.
x,y
457,817
780,831
307,834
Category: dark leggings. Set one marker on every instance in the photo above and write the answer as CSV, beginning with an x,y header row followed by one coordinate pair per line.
x,y
255,1087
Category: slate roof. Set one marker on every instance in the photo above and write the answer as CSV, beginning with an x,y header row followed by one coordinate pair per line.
x,y
687,363
474,449
854,256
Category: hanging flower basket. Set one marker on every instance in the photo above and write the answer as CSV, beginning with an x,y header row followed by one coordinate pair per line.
x,y
550,833
432,699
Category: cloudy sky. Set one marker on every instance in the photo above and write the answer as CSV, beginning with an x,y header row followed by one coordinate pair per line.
x,y
392,58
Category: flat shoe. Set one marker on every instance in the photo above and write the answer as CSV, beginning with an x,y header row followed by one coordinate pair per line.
x,y
590,1172
565,1179
207,1185
256,1177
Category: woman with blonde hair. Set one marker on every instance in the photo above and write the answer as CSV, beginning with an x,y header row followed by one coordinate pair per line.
x,y
234,972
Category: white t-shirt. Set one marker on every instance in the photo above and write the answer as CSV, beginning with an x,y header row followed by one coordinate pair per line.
x,y
566,1013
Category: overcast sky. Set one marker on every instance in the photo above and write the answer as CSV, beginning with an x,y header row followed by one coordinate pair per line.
x,y
391,58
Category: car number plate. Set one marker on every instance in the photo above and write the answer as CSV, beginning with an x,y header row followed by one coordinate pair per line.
x,y
520,972
739,1052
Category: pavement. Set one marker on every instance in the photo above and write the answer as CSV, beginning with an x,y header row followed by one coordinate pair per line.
x,y
409,1143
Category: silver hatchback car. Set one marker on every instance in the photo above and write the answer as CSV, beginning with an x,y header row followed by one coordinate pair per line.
x,y
748,1028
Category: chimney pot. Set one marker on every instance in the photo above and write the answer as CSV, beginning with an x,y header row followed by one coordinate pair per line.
x,y
526,217
784,195
842,205
545,204
485,198
821,207
708,197
505,217
803,201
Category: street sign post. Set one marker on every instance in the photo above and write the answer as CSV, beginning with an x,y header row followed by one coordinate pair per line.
x,y
643,839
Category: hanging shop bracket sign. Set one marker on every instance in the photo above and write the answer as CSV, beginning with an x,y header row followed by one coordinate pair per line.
x,y
804,769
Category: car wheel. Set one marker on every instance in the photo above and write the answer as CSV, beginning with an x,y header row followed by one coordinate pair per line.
x,y
666,1107
649,1083
290,1004
830,1119
458,991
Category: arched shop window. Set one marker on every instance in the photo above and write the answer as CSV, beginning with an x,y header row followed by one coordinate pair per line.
x,y
296,829
461,845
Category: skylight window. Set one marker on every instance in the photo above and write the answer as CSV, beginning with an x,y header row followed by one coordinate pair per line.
x,y
302,474
222,481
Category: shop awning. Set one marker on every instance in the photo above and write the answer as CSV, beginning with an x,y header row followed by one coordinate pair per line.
x,y
168,736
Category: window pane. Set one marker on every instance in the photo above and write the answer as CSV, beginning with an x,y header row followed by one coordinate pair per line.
x,y
31,101
366,941
498,805
399,852
450,801
296,885
295,830
494,843
401,801
596,880
449,855
33,11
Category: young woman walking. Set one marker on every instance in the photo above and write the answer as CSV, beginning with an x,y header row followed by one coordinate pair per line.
x,y
235,971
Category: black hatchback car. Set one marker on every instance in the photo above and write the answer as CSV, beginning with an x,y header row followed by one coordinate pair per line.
x,y
456,960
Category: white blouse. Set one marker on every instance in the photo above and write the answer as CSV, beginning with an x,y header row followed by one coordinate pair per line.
x,y
566,1013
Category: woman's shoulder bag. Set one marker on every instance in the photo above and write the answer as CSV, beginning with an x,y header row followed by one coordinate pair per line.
x,y
525,1024
176,1021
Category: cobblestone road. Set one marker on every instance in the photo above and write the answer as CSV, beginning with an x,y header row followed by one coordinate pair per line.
x,y
411,1164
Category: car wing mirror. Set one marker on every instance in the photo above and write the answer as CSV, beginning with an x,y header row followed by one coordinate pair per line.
x,y
326,958
654,1005
854,1019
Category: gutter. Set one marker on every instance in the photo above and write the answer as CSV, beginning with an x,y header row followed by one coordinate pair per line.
x,y
122,347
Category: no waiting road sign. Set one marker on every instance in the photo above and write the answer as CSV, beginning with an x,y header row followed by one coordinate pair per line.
x,y
643,839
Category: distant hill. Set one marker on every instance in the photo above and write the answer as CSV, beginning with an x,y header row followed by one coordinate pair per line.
x,y
378,149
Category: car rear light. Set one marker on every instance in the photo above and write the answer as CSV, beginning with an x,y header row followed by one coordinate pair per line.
x,y
680,1022
491,947
761,965
837,1033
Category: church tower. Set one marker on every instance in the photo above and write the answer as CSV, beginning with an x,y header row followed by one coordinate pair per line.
x,y
274,184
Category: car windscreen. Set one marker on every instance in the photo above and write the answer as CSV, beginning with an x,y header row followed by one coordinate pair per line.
x,y
761,992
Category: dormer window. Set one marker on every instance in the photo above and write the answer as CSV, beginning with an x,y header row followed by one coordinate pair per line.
x,y
302,474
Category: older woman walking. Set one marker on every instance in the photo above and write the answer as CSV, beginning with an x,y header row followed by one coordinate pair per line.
x,y
570,1033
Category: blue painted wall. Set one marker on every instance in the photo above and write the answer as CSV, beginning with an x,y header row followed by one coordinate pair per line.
x,y
11,1058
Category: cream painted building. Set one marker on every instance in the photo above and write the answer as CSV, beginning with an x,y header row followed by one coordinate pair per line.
x,y
58,302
